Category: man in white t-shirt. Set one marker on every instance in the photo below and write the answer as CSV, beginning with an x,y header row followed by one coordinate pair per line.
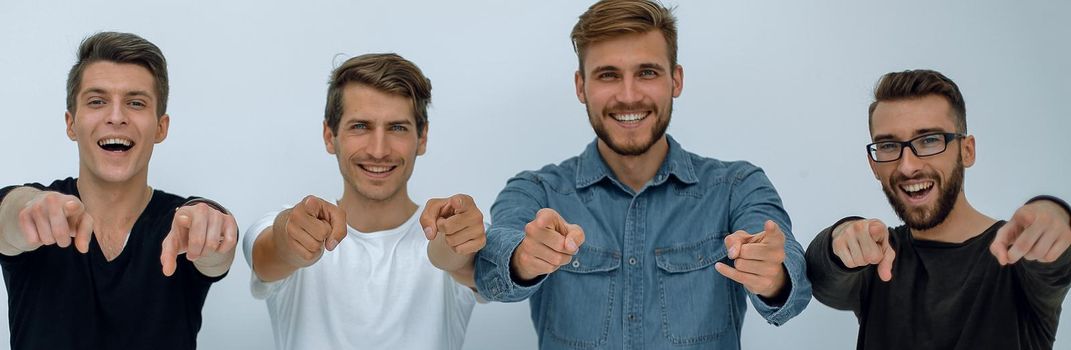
x,y
376,285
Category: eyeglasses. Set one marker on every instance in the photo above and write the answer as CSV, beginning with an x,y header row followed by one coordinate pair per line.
x,y
922,146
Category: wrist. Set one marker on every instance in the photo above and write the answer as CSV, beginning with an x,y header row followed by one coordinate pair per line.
x,y
211,203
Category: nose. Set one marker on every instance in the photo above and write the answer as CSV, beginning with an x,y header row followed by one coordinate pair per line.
x,y
629,92
117,115
379,148
909,163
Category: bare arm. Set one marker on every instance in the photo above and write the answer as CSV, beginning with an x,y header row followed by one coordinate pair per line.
x,y
297,238
268,265
30,218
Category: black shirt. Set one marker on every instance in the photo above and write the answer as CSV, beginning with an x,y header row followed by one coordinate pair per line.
x,y
59,298
944,295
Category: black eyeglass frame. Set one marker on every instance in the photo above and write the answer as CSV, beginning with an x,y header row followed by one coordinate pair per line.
x,y
871,148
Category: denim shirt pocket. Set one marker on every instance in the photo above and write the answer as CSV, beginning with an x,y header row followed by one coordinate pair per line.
x,y
581,298
696,299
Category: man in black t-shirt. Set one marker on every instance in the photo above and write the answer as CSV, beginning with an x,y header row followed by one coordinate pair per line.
x,y
122,285
951,277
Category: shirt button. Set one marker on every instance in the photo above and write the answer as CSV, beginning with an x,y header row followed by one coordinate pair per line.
x,y
632,261
631,317
576,263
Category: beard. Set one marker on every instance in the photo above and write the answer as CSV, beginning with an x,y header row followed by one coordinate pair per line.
x,y
623,147
925,218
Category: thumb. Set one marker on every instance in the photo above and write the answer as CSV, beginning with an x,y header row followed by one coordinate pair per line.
x,y
878,231
430,214
734,241
550,219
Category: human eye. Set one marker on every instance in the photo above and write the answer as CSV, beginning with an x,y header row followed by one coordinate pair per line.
x,y
887,147
930,140
607,76
648,73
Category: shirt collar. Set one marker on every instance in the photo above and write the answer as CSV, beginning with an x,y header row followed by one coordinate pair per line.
x,y
591,168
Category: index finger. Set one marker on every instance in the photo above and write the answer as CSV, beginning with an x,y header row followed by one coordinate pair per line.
x,y
1003,239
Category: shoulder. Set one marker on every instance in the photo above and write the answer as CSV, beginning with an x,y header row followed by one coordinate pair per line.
x,y
716,171
559,177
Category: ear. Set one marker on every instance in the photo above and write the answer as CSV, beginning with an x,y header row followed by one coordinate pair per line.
x,y
578,79
422,143
69,119
162,125
967,150
329,139
678,80
874,168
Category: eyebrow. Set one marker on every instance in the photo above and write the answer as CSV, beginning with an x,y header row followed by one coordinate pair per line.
x,y
101,91
654,66
601,69
918,132
371,122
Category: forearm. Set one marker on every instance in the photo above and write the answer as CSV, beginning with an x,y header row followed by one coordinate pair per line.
x,y
833,284
268,262
12,240
466,274
444,258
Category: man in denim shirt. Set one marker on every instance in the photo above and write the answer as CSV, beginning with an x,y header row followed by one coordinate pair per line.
x,y
618,247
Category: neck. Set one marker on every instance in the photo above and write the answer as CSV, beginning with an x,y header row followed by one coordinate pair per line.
x,y
369,215
963,223
635,171
114,206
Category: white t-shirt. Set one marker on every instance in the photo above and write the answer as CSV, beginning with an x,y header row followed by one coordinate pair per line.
x,y
376,290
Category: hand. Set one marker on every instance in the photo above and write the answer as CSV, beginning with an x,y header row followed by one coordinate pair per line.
x,y
54,218
206,235
865,242
457,221
303,232
758,259
1039,231
549,243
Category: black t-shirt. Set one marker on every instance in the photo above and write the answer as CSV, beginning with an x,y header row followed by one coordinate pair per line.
x,y
944,295
59,298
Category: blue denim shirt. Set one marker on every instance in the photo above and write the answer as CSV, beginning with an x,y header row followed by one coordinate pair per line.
x,y
644,278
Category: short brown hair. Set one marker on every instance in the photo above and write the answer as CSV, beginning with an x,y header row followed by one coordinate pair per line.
x,y
608,19
119,48
919,83
386,72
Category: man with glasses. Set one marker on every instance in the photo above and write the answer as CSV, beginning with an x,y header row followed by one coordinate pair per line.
x,y
951,277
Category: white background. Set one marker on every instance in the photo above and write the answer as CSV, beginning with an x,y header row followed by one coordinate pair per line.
x,y
784,85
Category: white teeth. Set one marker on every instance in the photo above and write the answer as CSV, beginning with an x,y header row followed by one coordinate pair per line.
x,y
114,141
917,187
376,169
631,117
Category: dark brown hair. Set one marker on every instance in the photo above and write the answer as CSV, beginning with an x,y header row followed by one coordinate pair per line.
x,y
119,48
386,72
919,83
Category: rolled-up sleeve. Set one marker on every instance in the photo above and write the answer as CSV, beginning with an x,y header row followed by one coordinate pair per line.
x,y
754,200
514,208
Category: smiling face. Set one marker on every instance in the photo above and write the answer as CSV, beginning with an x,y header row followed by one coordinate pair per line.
x,y
115,122
628,88
922,190
376,143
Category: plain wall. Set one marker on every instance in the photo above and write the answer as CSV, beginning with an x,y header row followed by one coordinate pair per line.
x,y
785,85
